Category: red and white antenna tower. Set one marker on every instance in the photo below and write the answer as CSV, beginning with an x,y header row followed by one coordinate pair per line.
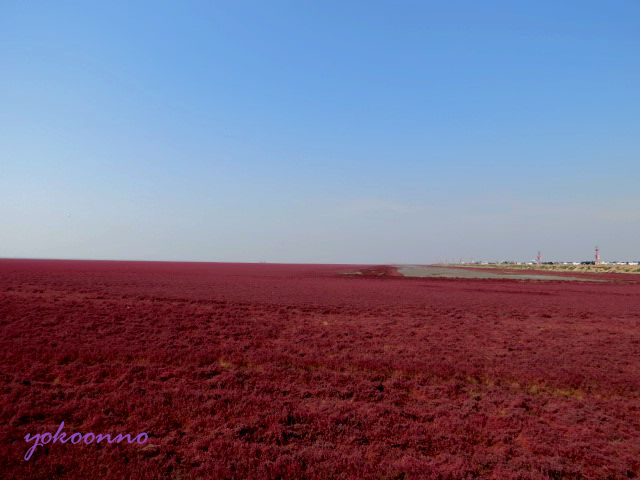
x,y
539,258
598,255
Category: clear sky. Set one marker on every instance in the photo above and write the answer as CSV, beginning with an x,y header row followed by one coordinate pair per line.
x,y
332,131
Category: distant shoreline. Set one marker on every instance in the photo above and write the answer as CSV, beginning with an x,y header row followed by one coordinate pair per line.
x,y
586,268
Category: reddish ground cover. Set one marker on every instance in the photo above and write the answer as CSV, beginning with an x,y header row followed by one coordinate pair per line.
x,y
267,371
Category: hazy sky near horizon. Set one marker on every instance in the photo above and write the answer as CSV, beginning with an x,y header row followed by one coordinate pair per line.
x,y
333,131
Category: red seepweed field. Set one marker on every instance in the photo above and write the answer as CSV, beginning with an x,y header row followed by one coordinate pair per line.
x,y
299,371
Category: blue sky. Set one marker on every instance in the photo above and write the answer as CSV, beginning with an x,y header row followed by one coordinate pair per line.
x,y
320,131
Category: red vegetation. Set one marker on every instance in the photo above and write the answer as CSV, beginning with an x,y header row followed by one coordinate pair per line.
x,y
266,371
